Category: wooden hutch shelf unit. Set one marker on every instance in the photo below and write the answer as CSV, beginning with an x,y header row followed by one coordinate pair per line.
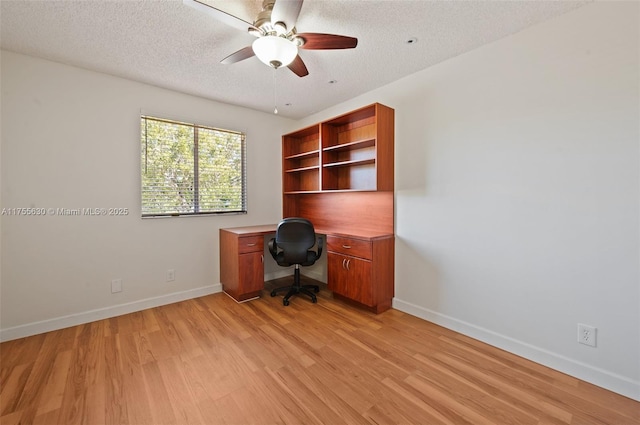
x,y
350,152
339,174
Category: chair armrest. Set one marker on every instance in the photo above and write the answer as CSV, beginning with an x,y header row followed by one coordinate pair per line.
x,y
319,253
273,248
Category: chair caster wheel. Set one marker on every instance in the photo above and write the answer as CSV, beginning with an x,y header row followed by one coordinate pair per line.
x,y
273,293
285,302
316,289
314,300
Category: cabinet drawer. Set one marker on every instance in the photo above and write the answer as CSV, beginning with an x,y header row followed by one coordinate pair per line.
x,y
250,244
349,246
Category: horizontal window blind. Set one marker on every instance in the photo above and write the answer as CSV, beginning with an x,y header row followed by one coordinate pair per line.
x,y
189,169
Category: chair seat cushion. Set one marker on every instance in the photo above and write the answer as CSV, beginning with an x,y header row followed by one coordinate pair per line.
x,y
310,260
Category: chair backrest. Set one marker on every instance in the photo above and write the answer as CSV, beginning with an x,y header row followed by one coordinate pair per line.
x,y
295,236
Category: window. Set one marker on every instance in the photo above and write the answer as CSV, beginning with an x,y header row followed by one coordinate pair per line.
x,y
189,169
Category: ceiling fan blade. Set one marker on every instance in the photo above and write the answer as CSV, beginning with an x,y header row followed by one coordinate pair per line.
x,y
286,11
298,67
238,56
317,41
218,14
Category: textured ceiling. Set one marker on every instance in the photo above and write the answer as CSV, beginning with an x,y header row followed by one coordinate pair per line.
x,y
168,44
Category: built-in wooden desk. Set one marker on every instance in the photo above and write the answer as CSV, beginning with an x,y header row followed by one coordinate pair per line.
x,y
339,175
359,264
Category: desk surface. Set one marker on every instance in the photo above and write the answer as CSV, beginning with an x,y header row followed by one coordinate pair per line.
x,y
271,228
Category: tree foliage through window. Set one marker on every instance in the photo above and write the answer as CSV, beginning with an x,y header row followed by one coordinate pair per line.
x,y
190,169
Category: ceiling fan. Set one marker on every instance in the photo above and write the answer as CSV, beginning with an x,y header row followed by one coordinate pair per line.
x,y
277,41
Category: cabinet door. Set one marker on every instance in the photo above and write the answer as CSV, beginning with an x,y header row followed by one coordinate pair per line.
x,y
336,273
350,277
359,280
251,272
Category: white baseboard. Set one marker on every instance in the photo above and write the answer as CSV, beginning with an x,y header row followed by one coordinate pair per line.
x,y
104,313
602,378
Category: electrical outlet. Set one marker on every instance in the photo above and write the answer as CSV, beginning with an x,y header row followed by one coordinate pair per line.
x,y
171,275
587,335
116,286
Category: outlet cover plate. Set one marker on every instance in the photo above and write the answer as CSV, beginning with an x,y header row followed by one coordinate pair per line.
x,y
116,286
171,275
587,334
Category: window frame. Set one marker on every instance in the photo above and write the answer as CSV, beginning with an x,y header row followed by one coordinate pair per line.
x,y
196,183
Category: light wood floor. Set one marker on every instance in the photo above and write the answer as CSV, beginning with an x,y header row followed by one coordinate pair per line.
x,y
211,360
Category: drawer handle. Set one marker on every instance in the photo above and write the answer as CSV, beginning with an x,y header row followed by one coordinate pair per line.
x,y
348,261
251,244
346,246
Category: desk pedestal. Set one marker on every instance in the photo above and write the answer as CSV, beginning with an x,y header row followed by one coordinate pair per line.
x,y
242,261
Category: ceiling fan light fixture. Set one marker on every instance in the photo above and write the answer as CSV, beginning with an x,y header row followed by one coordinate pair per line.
x,y
275,51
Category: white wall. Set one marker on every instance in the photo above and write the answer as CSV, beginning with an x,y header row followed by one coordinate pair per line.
x,y
70,139
517,192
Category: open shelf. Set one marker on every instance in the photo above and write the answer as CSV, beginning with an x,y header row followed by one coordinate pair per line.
x,y
303,155
301,160
297,170
307,180
358,144
350,163
302,192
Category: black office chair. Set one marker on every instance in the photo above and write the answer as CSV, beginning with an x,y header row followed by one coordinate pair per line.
x,y
292,247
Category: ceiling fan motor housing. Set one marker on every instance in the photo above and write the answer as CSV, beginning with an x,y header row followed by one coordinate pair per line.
x,y
263,21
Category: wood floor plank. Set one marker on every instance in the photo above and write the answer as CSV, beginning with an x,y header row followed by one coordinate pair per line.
x,y
31,394
214,361
94,385
21,351
260,411
13,418
432,415
447,396
116,411
134,388
330,389
181,398
505,391
13,383
53,390
224,410
47,418
478,397
272,399
160,403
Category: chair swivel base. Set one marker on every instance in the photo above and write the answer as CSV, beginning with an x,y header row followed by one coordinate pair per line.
x,y
296,288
